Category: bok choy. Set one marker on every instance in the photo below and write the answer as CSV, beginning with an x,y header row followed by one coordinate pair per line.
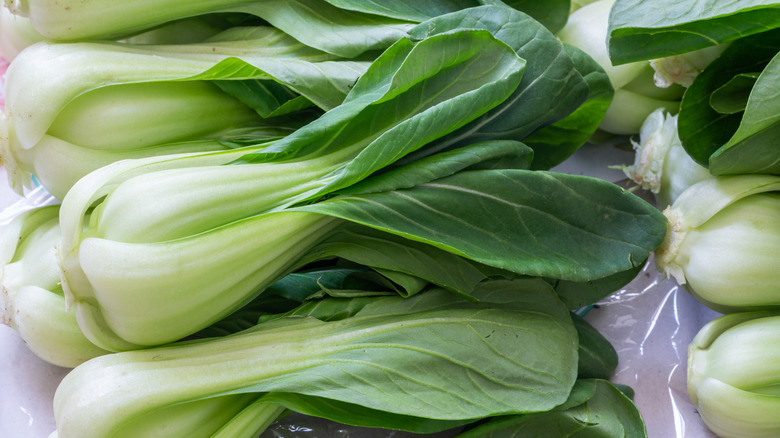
x,y
319,157
732,374
145,100
661,164
728,118
722,241
31,300
513,350
131,229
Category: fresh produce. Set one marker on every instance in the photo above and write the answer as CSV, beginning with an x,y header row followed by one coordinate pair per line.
x,y
641,87
728,119
732,374
512,350
594,406
31,299
722,239
636,95
147,212
381,170
737,212
661,165
144,100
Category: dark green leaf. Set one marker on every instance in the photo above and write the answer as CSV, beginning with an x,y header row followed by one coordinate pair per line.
x,y
580,294
739,140
501,154
595,409
597,357
386,251
753,147
268,98
528,222
732,97
357,415
556,142
643,29
411,95
551,87
553,14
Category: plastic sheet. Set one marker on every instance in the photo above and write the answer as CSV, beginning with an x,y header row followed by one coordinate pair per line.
x,y
650,322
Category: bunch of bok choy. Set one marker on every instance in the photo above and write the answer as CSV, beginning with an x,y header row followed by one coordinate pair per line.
x,y
393,158
722,237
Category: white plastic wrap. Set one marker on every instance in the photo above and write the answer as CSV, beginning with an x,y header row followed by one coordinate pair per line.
x,y
650,322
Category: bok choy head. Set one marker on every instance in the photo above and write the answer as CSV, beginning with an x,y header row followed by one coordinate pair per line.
x,y
413,93
31,298
733,374
456,360
722,242
93,103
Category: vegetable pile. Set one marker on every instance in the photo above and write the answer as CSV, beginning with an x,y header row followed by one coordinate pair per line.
x,y
340,209
715,166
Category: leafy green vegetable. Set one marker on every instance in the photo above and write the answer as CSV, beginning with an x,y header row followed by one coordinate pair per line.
x,y
556,223
189,207
738,212
597,358
643,30
732,141
550,76
733,96
735,394
31,298
636,92
595,408
562,138
93,103
512,351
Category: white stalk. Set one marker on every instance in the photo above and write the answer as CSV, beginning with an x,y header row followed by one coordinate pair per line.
x,y
722,242
636,95
143,294
16,33
661,164
106,18
31,300
733,374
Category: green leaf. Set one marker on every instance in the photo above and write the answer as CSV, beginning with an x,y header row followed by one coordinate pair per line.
x,y
734,142
596,409
753,147
357,415
597,357
553,14
321,25
579,294
386,251
551,88
268,98
732,97
410,10
528,222
558,141
502,154
641,29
